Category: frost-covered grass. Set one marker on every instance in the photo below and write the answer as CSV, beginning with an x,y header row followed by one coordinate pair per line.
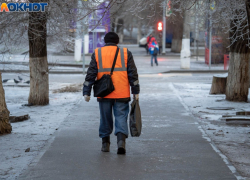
x,y
70,88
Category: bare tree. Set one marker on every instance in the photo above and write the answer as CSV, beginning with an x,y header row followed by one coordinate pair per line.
x,y
176,21
39,28
36,29
238,77
232,16
37,34
5,126
177,34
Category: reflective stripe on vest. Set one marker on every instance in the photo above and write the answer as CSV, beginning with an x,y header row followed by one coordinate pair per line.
x,y
101,69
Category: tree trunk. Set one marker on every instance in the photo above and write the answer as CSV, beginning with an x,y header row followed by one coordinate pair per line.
x,y
131,31
249,71
5,126
120,27
185,50
247,2
176,45
39,79
238,79
177,35
238,75
113,26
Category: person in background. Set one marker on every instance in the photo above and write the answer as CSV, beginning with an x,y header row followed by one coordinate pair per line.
x,y
153,50
148,41
124,76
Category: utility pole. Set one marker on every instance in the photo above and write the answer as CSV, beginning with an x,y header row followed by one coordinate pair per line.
x,y
164,29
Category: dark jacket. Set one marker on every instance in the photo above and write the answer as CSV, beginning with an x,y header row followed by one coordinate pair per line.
x,y
93,70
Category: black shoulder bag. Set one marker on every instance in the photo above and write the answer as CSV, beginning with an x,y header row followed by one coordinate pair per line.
x,y
105,86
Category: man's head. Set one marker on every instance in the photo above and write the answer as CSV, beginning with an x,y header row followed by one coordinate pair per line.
x,y
111,37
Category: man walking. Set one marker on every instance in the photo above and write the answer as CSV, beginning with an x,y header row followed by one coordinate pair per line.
x,y
124,75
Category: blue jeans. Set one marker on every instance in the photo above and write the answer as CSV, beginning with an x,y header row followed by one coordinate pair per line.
x,y
154,57
121,110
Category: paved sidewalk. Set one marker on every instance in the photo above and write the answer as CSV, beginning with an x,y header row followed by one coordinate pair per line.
x,y
171,146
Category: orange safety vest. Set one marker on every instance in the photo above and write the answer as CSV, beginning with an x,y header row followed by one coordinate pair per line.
x,y
104,58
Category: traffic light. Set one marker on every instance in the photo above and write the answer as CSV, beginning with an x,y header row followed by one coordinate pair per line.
x,y
159,27
168,9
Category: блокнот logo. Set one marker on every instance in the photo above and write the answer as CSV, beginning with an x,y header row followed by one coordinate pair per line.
x,y
23,7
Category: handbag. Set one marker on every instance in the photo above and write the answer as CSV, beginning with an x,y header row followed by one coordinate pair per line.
x,y
104,86
135,122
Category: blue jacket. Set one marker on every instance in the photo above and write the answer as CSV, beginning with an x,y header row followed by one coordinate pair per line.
x,y
153,47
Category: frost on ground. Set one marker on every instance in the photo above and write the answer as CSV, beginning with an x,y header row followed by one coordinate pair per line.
x,y
34,133
232,140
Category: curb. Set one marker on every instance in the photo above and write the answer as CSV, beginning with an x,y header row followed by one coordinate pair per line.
x,y
50,72
80,72
195,71
50,64
68,54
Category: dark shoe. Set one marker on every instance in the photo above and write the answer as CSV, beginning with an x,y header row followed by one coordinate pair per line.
x,y
105,144
121,140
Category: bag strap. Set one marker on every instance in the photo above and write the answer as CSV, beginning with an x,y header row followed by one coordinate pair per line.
x,y
113,66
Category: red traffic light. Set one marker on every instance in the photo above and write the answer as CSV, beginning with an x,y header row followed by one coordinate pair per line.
x,y
159,27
